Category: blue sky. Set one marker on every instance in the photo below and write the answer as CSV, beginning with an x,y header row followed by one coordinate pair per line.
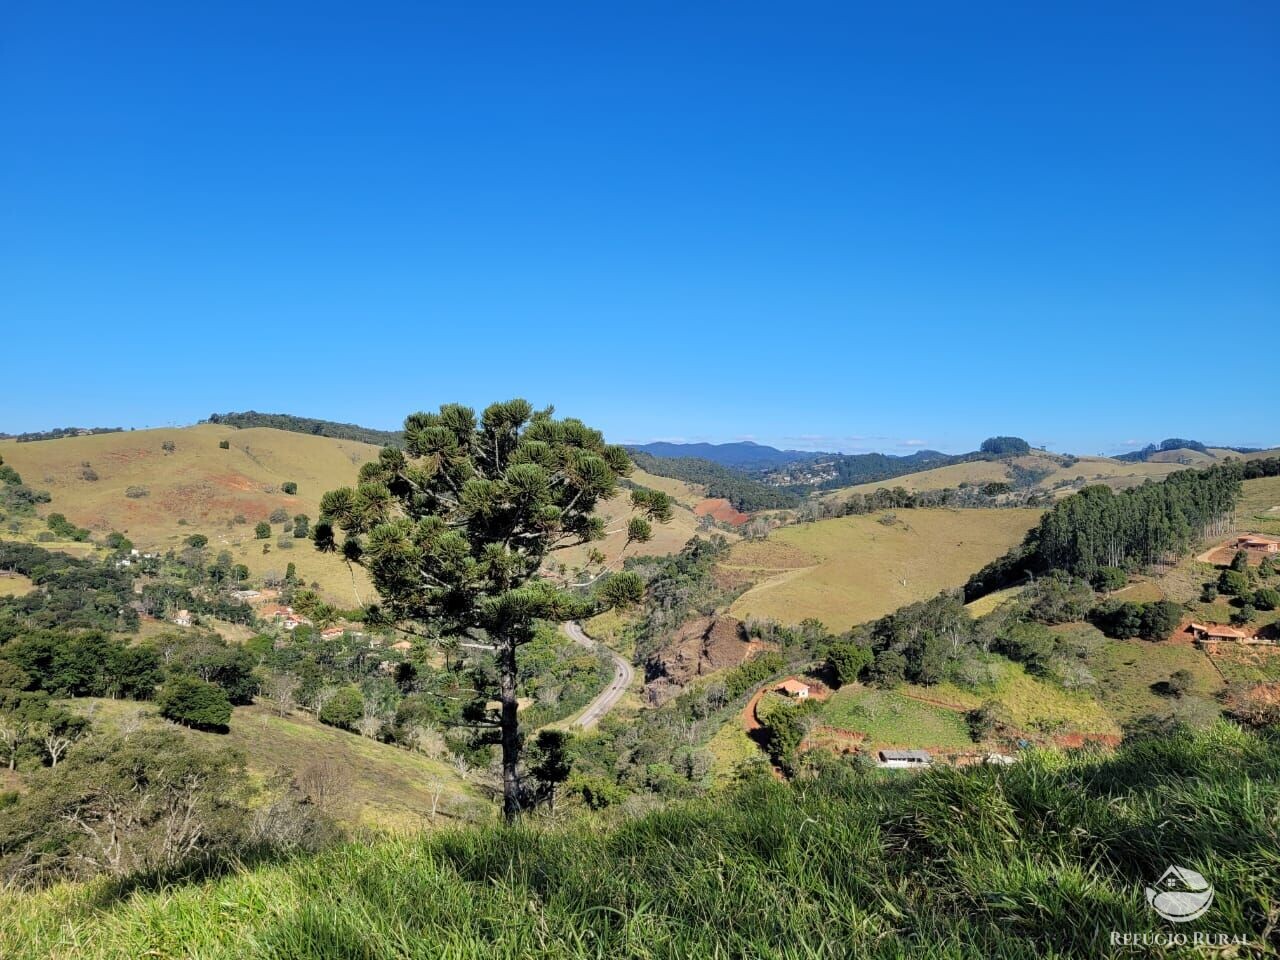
x,y
837,226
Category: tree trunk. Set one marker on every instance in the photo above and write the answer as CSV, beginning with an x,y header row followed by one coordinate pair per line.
x,y
510,729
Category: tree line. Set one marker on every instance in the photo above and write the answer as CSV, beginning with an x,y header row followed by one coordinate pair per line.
x,y
1099,528
742,491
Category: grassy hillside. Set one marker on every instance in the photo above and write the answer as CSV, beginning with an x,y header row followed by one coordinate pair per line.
x,y
667,537
199,488
380,786
223,494
1117,474
1044,858
852,569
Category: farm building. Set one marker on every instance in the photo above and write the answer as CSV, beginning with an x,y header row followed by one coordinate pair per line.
x,y
182,618
1220,633
1254,541
904,758
796,689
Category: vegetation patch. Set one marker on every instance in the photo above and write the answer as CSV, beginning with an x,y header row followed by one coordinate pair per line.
x,y
890,718
865,569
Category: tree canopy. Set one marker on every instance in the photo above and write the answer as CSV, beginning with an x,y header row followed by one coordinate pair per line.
x,y
454,530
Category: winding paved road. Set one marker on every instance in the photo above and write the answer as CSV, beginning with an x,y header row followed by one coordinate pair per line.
x,y
623,674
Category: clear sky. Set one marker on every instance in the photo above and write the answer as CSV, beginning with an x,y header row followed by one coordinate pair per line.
x,y
843,226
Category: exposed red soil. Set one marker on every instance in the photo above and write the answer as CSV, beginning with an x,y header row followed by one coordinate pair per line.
x,y
722,510
702,646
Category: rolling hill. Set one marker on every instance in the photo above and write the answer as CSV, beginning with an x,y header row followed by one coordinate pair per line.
x,y
159,487
158,496
852,569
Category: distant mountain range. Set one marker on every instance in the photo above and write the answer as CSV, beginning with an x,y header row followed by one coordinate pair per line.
x,y
743,455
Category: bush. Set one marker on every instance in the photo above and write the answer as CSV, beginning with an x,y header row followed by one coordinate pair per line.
x,y
1246,614
1266,598
279,515
1108,579
262,531
1240,562
847,660
289,487
343,709
1160,619
168,446
1209,593
224,444
1233,583
192,702
197,541
136,493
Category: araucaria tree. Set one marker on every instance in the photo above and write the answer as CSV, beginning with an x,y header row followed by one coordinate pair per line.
x,y
456,530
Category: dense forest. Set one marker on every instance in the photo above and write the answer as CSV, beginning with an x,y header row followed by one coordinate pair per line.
x,y
743,492
1099,528
310,425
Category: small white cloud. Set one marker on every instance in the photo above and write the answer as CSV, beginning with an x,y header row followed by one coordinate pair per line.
x,y
911,443
1131,443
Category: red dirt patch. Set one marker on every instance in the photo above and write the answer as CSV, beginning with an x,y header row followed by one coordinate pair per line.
x,y
704,645
722,510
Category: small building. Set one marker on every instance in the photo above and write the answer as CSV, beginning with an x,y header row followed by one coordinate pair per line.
x,y
333,633
796,689
1217,633
1262,544
182,618
904,759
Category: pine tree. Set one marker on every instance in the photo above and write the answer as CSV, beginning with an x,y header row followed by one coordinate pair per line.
x,y
456,529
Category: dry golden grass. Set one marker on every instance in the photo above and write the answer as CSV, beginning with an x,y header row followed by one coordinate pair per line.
x,y
14,585
1114,473
984,605
199,488
858,568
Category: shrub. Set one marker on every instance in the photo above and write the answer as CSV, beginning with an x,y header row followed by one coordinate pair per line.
x,y
343,709
192,702
136,493
88,473
168,446
197,541
1108,579
1160,619
847,660
1240,562
224,444
289,487
279,515
1209,593
262,530
1266,598
284,542
1233,583
1245,614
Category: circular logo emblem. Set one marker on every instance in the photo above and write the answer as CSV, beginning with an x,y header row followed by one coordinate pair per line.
x,y
1180,895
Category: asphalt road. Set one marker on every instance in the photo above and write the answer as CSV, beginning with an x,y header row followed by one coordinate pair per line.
x,y
623,673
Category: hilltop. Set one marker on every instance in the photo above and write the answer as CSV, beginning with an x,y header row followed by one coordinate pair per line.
x,y
310,426
159,487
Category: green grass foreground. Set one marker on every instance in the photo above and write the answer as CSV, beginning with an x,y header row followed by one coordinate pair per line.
x,y
1043,859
